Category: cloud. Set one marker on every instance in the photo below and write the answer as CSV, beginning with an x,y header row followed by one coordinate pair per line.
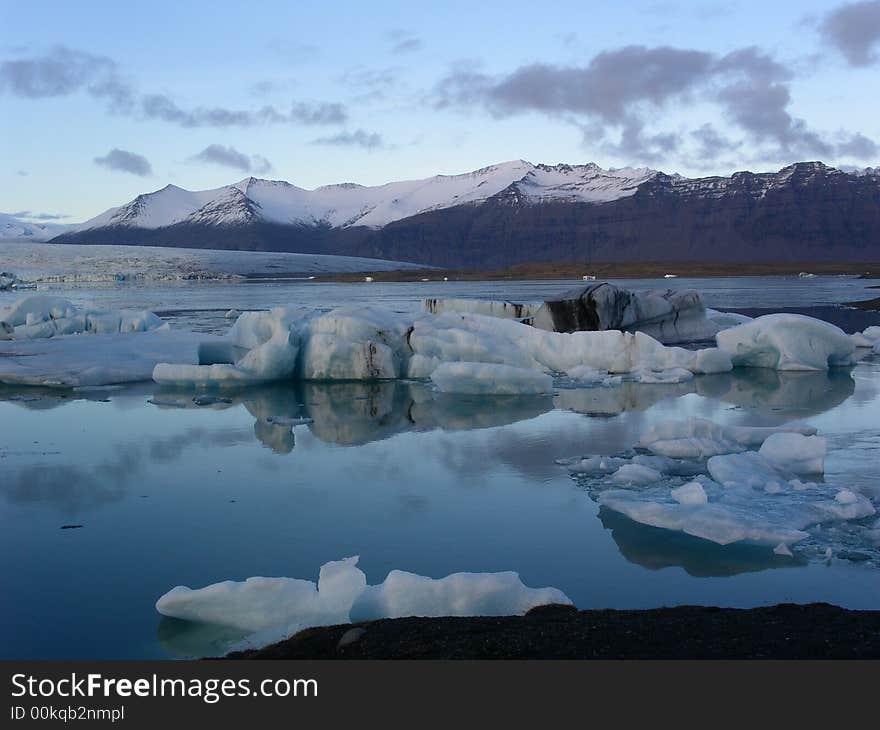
x,y
858,146
619,92
854,30
39,216
403,41
124,161
357,138
161,107
22,173
217,154
63,71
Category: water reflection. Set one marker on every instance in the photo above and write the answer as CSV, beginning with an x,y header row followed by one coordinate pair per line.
x,y
782,394
655,549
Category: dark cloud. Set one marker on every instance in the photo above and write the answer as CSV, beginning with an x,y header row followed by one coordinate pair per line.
x,y
357,138
859,147
605,88
60,72
218,154
403,41
159,106
64,71
619,91
124,161
711,144
854,30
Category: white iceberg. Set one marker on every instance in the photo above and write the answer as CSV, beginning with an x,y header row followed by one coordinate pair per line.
x,y
460,594
41,317
489,379
270,609
795,453
787,342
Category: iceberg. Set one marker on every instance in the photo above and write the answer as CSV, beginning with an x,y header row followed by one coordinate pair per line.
x,y
795,453
787,342
41,316
489,379
270,609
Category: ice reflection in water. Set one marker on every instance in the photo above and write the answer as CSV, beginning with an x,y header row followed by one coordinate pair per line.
x,y
170,493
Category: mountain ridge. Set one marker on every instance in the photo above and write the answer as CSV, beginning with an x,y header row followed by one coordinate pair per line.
x,y
517,212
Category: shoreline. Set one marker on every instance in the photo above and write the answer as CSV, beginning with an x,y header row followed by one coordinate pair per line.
x,y
783,631
622,270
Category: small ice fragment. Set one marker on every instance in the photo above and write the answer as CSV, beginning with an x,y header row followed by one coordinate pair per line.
x,y
782,549
690,493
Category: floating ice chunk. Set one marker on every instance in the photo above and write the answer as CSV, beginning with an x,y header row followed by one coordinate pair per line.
x,y
787,342
490,379
673,375
749,470
261,603
232,314
859,340
795,453
717,523
782,549
723,320
586,374
503,309
872,333
36,308
460,594
272,354
274,608
636,475
700,438
595,465
690,493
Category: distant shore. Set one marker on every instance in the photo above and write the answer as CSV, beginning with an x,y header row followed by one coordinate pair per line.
x,y
638,270
787,631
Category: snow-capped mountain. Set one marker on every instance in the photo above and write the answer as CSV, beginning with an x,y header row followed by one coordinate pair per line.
x,y
13,228
518,212
348,204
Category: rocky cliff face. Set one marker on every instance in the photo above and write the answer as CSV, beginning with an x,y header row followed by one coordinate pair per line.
x,y
805,212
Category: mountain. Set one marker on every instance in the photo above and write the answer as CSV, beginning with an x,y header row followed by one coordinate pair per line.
x,y
14,228
518,212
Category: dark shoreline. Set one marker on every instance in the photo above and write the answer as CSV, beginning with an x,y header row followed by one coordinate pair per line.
x,y
785,631
623,270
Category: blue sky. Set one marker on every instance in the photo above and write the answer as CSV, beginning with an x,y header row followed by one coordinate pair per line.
x,y
100,101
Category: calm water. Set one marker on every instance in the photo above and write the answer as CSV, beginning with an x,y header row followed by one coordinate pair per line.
x,y
177,494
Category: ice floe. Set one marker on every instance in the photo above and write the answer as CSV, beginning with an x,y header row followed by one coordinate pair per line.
x,y
270,609
787,342
726,484
42,316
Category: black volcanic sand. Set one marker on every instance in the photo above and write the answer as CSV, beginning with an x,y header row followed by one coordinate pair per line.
x,y
849,320
787,631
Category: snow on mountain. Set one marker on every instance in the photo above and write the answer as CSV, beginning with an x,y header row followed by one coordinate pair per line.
x,y
348,204
13,228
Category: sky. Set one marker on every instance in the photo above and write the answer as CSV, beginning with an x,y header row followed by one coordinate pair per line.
x,y
101,101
